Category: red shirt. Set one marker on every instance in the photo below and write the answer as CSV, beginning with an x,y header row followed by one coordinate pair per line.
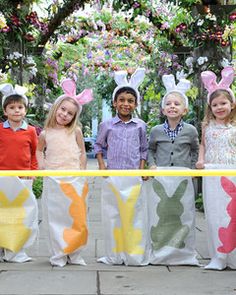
x,y
18,149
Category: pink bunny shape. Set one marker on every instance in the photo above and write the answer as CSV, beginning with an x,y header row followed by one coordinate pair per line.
x,y
227,235
209,81
69,88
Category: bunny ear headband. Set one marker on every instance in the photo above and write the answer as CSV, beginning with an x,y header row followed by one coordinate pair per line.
x,y
209,82
134,82
181,88
7,89
69,89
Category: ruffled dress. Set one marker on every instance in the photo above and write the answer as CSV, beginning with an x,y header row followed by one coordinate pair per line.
x,y
220,144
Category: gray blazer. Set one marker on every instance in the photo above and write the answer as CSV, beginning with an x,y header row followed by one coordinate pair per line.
x,y
181,152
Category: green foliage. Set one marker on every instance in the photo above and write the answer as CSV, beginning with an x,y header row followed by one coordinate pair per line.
x,y
38,187
199,202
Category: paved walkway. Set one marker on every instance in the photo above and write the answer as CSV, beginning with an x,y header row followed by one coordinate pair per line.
x,y
39,277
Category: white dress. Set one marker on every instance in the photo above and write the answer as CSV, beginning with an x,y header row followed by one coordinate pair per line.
x,y
220,144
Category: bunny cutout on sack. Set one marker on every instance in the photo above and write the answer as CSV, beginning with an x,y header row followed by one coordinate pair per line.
x,y
7,89
227,235
69,89
182,87
169,230
134,82
209,80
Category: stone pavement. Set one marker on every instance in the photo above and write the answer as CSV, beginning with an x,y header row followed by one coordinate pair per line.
x,y
39,277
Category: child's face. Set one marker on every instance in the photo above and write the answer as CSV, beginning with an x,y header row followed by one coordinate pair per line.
x,y
221,108
125,104
174,107
15,112
65,113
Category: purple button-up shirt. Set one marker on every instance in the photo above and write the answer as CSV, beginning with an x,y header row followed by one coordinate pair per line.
x,y
125,142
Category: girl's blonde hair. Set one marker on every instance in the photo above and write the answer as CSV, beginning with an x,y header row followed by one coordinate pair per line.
x,y
51,118
208,112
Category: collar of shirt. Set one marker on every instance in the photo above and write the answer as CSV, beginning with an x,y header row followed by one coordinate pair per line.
x,y
116,120
24,125
173,133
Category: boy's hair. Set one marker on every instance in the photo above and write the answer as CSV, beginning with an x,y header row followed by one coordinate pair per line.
x,y
126,89
51,118
177,93
208,112
13,98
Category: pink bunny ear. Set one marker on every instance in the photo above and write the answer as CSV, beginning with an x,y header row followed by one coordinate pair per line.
x,y
209,80
227,77
84,97
69,87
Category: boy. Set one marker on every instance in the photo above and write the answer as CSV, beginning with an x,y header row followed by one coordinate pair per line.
x,y
171,199
174,143
123,210
123,136
17,152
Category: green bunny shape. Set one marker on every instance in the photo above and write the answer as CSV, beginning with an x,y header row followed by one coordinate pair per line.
x,y
169,230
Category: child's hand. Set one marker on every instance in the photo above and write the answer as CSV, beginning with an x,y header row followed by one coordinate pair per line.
x,y
200,165
145,178
102,167
153,167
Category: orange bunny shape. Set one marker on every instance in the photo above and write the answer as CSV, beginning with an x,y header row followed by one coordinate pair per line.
x,y
77,235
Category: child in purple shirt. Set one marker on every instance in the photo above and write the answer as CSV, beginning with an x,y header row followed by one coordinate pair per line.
x,y
123,136
123,212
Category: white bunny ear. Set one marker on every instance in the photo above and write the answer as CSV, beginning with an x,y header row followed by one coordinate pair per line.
x,y
6,89
121,78
20,90
183,85
181,88
169,82
137,78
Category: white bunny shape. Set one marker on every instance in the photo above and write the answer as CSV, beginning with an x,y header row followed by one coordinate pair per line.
x,y
171,86
7,89
135,80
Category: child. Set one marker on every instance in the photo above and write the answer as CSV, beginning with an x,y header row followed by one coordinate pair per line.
x,y
217,146
171,199
174,143
18,139
218,151
124,138
17,152
61,146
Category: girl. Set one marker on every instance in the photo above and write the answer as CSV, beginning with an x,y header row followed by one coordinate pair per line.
x,y
218,151
219,124
61,138
61,146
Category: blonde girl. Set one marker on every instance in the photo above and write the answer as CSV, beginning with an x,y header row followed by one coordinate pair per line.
x,y
61,144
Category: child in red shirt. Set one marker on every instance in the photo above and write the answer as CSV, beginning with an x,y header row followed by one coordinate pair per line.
x,y
18,142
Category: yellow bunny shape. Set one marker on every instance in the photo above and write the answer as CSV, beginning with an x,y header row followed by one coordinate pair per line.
x,y
77,235
127,238
13,232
